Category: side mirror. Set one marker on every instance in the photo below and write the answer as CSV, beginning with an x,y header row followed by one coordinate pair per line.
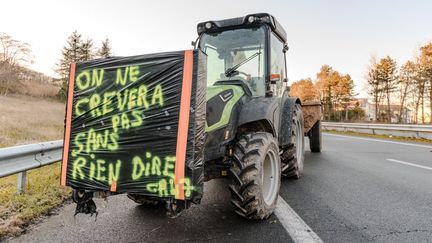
x,y
274,78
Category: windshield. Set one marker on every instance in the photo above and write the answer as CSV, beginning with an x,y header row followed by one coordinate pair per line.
x,y
236,55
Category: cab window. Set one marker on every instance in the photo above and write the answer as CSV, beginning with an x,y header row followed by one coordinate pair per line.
x,y
277,65
236,55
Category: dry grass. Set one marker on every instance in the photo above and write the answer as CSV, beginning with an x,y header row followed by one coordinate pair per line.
x,y
25,120
39,89
33,88
43,193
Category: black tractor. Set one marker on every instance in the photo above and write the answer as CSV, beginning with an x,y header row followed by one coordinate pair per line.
x,y
255,130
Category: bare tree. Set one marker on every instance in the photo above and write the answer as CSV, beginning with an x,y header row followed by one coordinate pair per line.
x,y
374,85
13,55
408,74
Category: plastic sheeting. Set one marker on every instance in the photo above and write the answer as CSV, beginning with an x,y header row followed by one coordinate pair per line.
x,y
136,125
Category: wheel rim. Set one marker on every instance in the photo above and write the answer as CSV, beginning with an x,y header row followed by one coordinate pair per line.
x,y
299,145
270,178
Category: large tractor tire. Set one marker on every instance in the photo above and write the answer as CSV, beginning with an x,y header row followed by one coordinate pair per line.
x,y
144,200
255,175
315,138
292,158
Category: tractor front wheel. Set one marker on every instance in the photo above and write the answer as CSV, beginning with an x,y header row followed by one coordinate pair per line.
x,y
255,175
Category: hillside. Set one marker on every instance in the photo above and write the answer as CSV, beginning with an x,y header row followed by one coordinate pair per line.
x,y
25,119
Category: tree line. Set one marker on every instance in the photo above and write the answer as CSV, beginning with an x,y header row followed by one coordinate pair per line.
x,y
78,49
409,86
394,91
16,55
331,88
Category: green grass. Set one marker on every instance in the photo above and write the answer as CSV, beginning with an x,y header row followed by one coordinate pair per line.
x,y
26,120
406,139
43,193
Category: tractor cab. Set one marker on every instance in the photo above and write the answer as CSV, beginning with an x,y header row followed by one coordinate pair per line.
x,y
247,51
254,129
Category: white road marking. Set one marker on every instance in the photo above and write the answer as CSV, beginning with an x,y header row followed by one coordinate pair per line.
x,y
294,225
410,164
381,141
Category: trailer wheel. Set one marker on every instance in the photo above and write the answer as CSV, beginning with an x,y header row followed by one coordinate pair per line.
x,y
144,200
315,138
292,158
255,175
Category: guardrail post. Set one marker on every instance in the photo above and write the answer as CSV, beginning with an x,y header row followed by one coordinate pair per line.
x,y
22,182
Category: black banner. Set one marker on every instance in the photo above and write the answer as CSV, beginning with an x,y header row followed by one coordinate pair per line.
x,y
136,125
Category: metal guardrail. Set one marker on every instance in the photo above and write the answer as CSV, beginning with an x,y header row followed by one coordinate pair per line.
x,y
402,130
20,159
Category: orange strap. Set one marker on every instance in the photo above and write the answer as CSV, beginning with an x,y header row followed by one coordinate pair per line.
x,y
183,124
113,186
68,123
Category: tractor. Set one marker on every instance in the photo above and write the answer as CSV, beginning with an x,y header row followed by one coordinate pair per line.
x,y
254,129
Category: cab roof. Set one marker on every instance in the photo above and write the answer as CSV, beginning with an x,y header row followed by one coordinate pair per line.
x,y
214,26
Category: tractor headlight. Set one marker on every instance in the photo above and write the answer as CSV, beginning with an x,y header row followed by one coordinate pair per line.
x,y
208,25
251,19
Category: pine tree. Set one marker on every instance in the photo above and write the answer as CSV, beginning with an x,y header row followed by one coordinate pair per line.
x,y
87,50
75,50
336,91
105,50
325,84
387,76
344,92
70,54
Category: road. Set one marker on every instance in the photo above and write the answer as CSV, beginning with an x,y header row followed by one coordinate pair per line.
x,y
356,190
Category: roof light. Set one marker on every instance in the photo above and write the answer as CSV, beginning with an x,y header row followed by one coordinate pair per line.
x,y
208,25
251,19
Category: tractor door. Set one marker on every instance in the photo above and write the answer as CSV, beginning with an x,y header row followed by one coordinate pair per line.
x,y
277,66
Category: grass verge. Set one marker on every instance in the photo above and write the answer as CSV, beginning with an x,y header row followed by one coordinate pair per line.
x,y
26,120
396,138
43,193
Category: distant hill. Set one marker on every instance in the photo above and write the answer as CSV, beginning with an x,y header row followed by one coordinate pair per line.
x,y
29,75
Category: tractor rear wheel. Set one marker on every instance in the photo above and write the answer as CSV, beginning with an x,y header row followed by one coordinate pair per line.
x,y
292,158
315,138
255,175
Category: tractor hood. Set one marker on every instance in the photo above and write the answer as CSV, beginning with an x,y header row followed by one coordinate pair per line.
x,y
220,102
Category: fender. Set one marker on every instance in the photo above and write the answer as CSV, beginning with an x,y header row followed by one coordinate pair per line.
x,y
263,109
288,104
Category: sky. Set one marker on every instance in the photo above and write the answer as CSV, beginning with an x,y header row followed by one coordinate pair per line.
x,y
341,33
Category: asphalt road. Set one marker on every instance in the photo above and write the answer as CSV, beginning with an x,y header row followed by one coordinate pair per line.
x,y
356,190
